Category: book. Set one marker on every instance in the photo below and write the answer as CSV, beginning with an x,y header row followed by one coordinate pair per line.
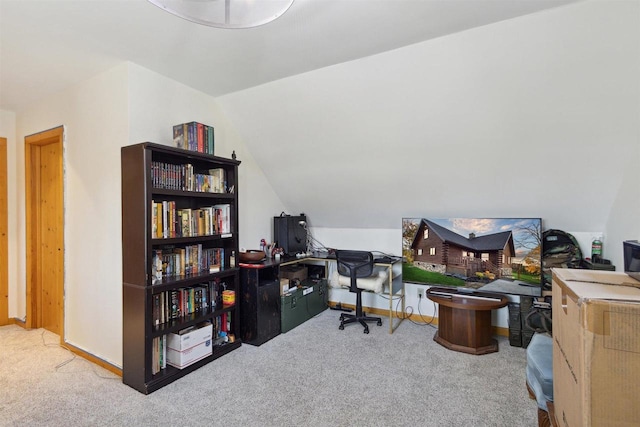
x,y
223,218
157,264
163,355
175,305
204,297
218,180
194,136
176,262
186,223
172,218
165,211
210,140
154,356
200,130
178,136
223,322
158,215
156,309
154,220
190,137
201,222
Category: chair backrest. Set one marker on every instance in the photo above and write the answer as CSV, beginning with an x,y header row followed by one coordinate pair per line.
x,y
354,264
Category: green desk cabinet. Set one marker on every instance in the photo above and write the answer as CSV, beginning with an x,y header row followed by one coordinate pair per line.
x,y
308,300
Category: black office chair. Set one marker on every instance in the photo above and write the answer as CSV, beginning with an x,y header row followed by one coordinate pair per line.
x,y
356,264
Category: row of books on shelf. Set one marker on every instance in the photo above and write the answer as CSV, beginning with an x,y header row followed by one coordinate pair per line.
x,y
178,303
169,222
183,177
194,136
191,344
171,262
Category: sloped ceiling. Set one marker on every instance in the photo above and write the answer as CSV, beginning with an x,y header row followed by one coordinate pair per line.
x,y
47,45
530,117
361,112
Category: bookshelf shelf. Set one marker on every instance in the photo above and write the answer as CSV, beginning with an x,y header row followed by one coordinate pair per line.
x,y
191,319
175,240
170,238
196,194
168,283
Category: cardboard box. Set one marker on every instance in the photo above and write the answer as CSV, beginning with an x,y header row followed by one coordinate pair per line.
x,y
596,348
284,286
189,347
294,272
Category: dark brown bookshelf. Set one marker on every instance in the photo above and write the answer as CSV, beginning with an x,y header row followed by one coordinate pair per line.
x,y
139,246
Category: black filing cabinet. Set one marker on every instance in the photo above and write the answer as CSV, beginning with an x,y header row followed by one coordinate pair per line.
x,y
259,303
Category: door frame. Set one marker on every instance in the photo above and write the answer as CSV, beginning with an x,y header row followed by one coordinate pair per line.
x,y
4,235
32,147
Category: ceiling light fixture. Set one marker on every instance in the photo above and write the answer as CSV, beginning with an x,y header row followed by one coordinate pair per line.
x,y
226,13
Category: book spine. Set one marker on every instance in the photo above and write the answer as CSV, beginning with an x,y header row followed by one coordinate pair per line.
x,y
175,305
200,129
165,219
211,140
178,136
156,309
191,137
223,322
163,365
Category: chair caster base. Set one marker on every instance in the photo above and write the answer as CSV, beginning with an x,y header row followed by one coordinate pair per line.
x,y
363,319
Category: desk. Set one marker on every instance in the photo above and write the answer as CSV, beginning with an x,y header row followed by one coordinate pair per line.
x,y
464,319
259,300
393,288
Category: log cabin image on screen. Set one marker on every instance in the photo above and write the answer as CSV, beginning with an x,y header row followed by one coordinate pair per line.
x,y
456,251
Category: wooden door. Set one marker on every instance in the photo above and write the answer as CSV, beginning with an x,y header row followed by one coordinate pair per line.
x,y
4,239
45,231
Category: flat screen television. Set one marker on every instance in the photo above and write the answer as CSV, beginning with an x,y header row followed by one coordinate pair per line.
x,y
496,254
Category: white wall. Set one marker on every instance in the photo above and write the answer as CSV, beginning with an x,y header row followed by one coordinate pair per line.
x,y
95,118
157,103
623,222
531,117
125,105
8,131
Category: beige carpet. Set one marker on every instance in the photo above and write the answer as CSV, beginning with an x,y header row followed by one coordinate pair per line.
x,y
314,375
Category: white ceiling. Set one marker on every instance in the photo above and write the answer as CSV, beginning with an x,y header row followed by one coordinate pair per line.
x,y
47,45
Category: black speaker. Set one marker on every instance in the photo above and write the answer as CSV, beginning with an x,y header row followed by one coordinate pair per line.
x,y
631,251
290,233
